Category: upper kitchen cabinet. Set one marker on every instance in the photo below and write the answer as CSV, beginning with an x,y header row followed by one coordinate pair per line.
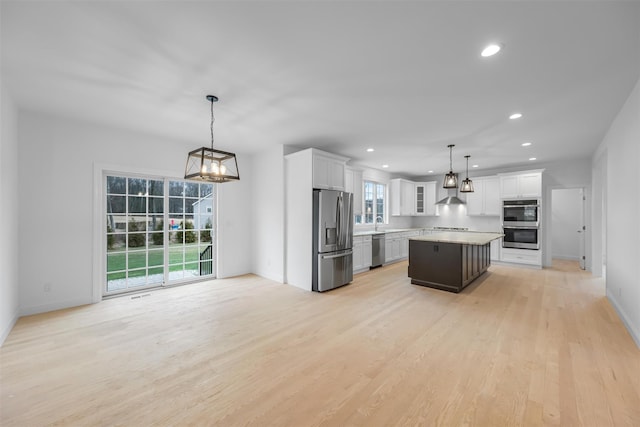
x,y
328,170
485,200
425,198
353,184
521,185
402,197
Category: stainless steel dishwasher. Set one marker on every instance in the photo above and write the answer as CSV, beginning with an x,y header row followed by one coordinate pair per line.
x,y
377,250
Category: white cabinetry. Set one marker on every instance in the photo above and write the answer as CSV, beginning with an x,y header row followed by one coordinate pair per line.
x,y
304,171
361,253
397,245
522,256
353,184
402,197
392,247
496,246
328,170
485,200
521,185
425,198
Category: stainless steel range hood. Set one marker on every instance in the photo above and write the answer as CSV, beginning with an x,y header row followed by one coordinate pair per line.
x,y
450,200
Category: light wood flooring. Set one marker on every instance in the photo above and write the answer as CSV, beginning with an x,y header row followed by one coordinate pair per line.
x,y
517,347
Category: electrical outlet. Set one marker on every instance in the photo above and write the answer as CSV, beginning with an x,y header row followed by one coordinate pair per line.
x,y
47,287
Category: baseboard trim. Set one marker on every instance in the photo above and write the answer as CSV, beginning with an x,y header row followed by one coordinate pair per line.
x,y
635,334
44,308
566,257
8,329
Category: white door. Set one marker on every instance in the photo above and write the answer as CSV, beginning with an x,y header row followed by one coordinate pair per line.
x,y
582,231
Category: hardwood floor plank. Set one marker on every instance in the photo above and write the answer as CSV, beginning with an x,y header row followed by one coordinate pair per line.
x,y
517,347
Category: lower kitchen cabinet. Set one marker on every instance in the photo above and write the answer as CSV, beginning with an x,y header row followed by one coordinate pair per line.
x,y
397,245
361,253
496,247
522,256
392,247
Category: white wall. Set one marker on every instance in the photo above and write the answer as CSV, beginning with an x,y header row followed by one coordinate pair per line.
x,y
9,218
565,223
621,145
234,252
56,201
268,213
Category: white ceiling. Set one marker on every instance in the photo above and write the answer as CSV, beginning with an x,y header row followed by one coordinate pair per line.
x,y
405,78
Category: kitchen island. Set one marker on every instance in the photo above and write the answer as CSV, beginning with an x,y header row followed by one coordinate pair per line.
x,y
450,260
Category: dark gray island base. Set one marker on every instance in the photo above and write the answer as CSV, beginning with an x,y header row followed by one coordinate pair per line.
x,y
448,262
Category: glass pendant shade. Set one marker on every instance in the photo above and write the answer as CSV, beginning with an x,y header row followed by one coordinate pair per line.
x,y
467,184
450,180
209,164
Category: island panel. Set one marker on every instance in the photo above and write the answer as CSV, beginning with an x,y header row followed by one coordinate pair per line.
x,y
447,266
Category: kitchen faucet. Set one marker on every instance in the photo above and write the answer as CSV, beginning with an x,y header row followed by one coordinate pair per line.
x,y
376,222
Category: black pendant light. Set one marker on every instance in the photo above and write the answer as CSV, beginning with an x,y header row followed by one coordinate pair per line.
x,y
467,184
209,164
450,179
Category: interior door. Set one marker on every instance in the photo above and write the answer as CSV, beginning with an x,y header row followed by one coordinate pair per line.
x,y
582,231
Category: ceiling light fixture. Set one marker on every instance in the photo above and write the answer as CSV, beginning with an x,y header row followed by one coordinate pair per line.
x,y
526,144
370,150
490,50
515,116
467,184
475,166
532,158
450,179
385,166
429,171
209,164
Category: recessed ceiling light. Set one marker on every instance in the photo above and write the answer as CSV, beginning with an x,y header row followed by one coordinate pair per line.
x,y
429,171
532,158
515,116
491,50
526,144
474,166
370,150
385,166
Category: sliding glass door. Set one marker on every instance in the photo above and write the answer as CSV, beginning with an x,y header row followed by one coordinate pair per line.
x,y
158,232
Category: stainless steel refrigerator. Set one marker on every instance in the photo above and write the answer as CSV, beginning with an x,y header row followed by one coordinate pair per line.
x,y
332,239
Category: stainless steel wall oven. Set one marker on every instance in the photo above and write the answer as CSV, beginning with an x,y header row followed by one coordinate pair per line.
x,y
517,213
521,224
522,237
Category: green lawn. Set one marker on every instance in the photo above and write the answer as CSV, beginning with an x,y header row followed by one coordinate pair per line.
x,y
178,260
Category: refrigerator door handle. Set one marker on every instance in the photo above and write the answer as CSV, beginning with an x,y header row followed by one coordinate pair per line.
x,y
340,212
338,224
338,255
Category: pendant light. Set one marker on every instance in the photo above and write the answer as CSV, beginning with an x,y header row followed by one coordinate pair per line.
x,y
209,164
467,184
450,179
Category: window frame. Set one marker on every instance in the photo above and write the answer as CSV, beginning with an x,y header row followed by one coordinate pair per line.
x,y
361,220
100,171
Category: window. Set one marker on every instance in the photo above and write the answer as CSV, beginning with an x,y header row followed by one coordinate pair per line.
x,y
374,204
158,231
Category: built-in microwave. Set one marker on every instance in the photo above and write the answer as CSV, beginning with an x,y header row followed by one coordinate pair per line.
x,y
521,213
521,237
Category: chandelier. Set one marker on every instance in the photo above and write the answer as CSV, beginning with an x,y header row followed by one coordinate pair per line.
x,y
209,164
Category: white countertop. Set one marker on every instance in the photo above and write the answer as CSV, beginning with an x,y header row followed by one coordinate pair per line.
x,y
461,237
387,231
